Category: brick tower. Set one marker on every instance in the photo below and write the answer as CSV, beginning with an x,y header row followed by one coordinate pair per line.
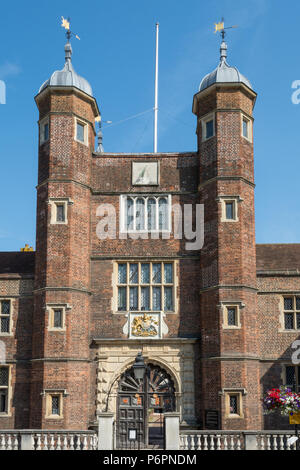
x,y
60,393
229,328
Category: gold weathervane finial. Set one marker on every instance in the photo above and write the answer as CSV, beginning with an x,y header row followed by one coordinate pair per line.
x,y
220,27
65,23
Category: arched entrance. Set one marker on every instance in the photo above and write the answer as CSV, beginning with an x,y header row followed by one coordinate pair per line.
x,y
140,408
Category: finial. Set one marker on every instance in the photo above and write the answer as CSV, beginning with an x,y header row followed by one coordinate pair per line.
x,y
220,27
65,23
27,248
100,148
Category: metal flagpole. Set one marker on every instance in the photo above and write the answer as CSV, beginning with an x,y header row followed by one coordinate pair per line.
x,y
156,91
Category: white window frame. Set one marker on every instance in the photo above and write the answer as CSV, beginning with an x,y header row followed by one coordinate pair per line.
x,y
43,122
139,285
244,117
204,120
135,197
85,131
8,299
54,202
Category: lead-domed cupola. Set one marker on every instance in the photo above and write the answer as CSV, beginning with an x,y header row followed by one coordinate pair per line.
x,y
224,73
67,77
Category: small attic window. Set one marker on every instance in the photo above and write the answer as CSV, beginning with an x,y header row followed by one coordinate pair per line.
x,y
247,128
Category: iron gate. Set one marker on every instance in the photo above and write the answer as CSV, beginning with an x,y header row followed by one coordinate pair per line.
x,y
140,408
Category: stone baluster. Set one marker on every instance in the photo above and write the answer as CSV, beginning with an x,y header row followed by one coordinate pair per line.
x,y
52,442
225,443
45,447
65,442
218,442
212,442
9,445
38,442
205,444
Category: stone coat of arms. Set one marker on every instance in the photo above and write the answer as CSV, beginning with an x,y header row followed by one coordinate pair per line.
x,y
144,325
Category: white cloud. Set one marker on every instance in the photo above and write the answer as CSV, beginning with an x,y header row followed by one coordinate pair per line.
x,y
8,69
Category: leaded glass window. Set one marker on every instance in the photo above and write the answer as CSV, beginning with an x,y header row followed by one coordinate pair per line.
x,y
291,307
5,316
145,286
292,377
146,213
233,404
4,383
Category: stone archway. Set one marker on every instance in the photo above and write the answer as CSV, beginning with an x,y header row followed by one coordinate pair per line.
x,y
141,406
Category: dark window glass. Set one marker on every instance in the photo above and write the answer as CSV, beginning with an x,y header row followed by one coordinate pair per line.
x,y
3,402
4,325
133,298
55,405
233,399
297,303
298,321
3,376
80,132
289,321
46,132
288,303
290,376
122,299
122,273
5,307
60,212
231,316
168,299
229,210
209,128
58,318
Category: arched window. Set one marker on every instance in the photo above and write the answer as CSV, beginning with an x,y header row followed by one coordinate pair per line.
x,y
163,214
151,208
140,214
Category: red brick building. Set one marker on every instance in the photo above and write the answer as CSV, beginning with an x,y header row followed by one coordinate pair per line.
x,y
215,321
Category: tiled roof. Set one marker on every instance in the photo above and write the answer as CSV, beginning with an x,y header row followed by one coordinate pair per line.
x,y
278,257
17,262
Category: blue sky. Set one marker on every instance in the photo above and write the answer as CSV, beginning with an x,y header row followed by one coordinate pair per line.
x,y
116,54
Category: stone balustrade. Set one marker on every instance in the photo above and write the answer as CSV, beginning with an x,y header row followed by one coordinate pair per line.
x,y
48,440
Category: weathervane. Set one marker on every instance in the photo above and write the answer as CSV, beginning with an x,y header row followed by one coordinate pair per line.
x,y
220,27
65,23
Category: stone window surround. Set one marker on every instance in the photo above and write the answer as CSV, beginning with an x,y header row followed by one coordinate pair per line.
x,y
42,123
48,394
229,198
85,130
227,393
238,305
208,117
9,394
145,196
50,307
250,127
115,284
10,333
54,201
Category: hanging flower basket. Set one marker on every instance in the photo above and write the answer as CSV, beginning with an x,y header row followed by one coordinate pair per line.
x,y
284,400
